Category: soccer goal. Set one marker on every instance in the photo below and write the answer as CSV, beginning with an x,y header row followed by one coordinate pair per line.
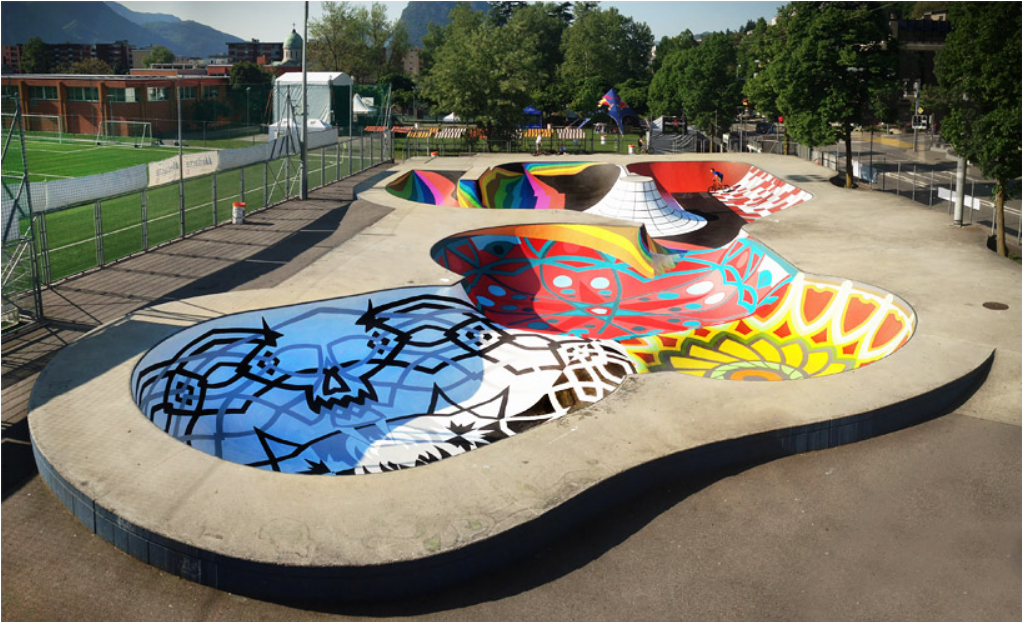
x,y
37,126
128,133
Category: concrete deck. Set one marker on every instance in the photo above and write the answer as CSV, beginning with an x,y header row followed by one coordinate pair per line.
x,y
418,529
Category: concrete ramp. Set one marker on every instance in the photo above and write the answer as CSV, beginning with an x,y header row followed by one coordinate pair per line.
x,y
636,198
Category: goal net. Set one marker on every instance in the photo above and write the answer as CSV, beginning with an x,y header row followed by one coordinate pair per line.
x,y
37,126
129,133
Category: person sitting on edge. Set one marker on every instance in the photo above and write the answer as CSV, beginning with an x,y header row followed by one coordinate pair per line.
x,y
642,146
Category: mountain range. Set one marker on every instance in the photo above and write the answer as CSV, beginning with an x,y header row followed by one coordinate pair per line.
x,y
418,15
107,22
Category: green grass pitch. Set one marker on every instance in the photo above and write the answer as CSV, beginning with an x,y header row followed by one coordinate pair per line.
x,y
52,160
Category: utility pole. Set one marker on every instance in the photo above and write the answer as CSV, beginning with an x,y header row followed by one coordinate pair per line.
x,y
305,106
915,126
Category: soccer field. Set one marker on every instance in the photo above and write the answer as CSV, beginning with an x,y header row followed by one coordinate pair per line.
x,y
52,160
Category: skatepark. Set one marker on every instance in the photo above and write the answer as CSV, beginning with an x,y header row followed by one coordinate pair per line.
x,y
908,326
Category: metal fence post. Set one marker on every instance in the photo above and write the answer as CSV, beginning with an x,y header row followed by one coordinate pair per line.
x,y
362,152
241,184
287,176
337,156
915,170
43,247
322,167
266,183
215,219
98,216
145,220
347,147
371,155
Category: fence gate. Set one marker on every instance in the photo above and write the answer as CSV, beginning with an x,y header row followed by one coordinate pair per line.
x,y
22,297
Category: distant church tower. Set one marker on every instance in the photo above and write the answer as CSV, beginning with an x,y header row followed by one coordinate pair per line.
x,y
293,49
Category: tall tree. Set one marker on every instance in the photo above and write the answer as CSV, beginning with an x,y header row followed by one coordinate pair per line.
x,y
250,90
158,55
91,67
836,70
484,72
756,51
602,49
34,56
978,84
701,81
547,21
357,40
684,41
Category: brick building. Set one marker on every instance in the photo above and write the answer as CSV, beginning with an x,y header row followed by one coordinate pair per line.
x,y
116,54
84,102
253,50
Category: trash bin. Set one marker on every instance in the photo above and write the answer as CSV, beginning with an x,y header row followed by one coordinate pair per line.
x,y
631,149
238,213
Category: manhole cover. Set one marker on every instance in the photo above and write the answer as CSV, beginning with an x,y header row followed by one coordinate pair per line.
x,y
996,306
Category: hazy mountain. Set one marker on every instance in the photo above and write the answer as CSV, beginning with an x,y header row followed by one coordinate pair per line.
x,y
418,15
99,22
197,39
140,18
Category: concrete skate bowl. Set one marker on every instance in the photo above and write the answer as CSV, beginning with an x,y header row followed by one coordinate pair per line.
x,y
549,318
673,200
453,429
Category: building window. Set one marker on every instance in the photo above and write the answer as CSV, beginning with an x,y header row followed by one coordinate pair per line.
x,y
159,93
83,94
126,96
42,92
188,92
210,92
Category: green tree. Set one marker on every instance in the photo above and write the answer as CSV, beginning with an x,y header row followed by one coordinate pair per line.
x,y
484,72
979,86
91,67
547,21
209,112
756,51
635,93
158,55
357,40
834,71
34,57
602,49
684,41
701,81
250,87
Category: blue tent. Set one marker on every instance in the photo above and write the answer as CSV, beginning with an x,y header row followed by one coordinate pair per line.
x,y
618,109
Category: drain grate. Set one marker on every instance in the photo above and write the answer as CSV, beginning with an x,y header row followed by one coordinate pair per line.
x,y
995,306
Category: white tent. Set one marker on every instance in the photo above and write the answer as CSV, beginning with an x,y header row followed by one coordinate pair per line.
x,y
360,107
321,92
452,118
282,127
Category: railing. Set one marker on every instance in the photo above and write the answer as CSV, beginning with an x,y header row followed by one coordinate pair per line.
x,y
932,184
80,237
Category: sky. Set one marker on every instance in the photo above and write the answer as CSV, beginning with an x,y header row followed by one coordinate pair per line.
x,y
271,21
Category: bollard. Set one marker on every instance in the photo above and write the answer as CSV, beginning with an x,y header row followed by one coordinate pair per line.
x,y
238,213
631,149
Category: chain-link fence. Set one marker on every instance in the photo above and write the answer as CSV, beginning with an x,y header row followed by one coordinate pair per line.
x,y
77,237
22,301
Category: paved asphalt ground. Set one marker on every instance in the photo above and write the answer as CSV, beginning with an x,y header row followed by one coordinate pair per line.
x,y
921,524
